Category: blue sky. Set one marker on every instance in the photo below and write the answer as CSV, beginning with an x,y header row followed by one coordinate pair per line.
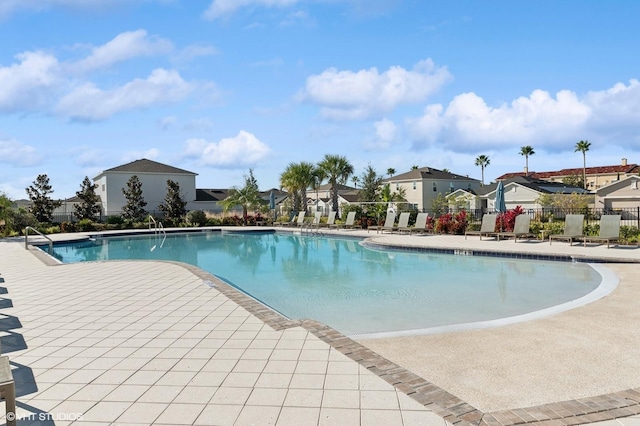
x,y
221,86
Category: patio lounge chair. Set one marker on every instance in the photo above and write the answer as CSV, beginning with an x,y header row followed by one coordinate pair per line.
x,y
330,220
487,228
573,229
403,223
389,223
291,221
520,228
349,223
609,230
8,388
421,224
300,220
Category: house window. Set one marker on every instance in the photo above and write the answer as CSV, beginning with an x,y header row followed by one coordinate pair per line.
x,y
414,185
397,186
468,185
435,187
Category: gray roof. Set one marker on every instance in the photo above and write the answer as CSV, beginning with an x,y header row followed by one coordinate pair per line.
x,y
427,173
148,166
540,185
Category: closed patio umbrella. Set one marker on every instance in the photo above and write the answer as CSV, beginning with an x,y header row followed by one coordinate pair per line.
x,y
500,205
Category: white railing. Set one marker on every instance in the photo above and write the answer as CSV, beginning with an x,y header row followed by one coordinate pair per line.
x,y
26,238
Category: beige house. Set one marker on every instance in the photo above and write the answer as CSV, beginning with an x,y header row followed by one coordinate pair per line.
x,y
622,194
597,177
422,186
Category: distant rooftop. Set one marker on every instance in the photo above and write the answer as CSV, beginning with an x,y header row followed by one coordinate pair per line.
x,y
148,166
623,168
427,173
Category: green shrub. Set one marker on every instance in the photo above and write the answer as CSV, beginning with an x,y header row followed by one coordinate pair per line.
x,y
86,225
67,227
214,221
197,218
115,220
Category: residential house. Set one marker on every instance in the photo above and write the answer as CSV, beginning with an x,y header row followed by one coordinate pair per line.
x,y
152,175
319,199
521,191
421,186
597,177
622,195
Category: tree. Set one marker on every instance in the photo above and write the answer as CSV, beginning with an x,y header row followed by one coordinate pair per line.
x,y
174,207
526,151
583,147
337,170
415,167
296,178
42,206
248,197
371,185
134,209
89,205
573,180
482,161
391,171
355,181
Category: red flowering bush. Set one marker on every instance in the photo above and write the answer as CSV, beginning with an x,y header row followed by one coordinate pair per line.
x,y
507,220
450,224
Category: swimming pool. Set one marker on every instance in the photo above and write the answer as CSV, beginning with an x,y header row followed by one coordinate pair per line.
x,y
358,290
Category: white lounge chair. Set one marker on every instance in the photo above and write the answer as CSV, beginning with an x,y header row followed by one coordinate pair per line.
x,y
389,223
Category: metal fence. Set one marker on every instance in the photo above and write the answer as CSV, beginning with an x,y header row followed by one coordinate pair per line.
x,y
630,215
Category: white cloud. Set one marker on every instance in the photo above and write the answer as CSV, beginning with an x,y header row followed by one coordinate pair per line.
x,y
245,149
386,133
8,7
468,122
28,85
358,95
15,153
194,51
87,102
220,8
122,47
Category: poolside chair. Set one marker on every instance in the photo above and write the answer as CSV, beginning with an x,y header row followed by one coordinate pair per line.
x,y
421,224
389,223
487,228
330,220
520,228
573,229
316,220
609,230
403,223
291,221
300,222
349,223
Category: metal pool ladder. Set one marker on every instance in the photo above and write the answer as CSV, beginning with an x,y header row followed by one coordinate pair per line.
x,y
157,226
26,238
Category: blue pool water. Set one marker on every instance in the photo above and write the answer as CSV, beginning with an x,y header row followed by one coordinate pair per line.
x,y
354,289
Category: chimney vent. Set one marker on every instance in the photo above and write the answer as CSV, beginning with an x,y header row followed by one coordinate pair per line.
x,y
624,161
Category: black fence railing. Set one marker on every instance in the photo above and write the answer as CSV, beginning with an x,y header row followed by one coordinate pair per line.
x,y
630,215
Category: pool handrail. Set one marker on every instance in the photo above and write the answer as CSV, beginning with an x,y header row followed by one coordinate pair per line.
x,y
26,238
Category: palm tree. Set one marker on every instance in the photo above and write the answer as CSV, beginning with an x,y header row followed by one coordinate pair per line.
x,y
482,161
391,171
526,151
248,197
296,178
336,169
415,167
583,147
355,181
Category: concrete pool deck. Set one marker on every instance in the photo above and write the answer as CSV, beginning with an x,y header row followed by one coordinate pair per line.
x,y
151,343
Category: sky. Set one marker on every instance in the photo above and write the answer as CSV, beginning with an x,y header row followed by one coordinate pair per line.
x,y
219,87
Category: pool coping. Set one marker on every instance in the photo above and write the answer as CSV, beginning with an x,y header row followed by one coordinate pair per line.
x,y
448,406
